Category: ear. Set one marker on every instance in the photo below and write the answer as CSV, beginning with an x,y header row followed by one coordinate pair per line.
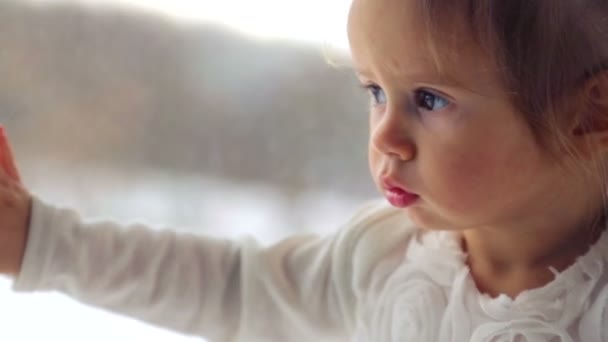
x,y
590,131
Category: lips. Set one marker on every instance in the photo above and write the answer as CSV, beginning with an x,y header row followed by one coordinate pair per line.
x,y
396,194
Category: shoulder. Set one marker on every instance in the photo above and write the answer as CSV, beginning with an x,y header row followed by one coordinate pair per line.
x,y
377,225
376,234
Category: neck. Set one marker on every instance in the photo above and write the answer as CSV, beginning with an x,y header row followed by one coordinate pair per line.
x,y
510,260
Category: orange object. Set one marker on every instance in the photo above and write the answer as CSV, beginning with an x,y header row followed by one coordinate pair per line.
x,y
7,160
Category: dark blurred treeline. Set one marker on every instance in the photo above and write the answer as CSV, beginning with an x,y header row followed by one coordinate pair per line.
x,y
112,87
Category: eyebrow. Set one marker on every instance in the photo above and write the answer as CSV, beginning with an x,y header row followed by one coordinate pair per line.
x,y
423,77
363,72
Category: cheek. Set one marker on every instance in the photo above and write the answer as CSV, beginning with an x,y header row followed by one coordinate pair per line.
x,y
373,158
462,181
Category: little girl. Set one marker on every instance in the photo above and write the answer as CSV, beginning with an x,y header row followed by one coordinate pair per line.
x,y
489,138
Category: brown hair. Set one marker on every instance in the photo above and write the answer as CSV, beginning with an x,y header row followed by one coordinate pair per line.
x,y
544,49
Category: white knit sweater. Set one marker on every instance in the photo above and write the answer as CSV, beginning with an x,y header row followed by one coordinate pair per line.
x,y
378,279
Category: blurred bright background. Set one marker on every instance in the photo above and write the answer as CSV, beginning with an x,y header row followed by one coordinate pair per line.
x,y
223,117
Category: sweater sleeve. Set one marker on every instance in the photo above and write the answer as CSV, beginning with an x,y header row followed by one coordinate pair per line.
x,y
301,289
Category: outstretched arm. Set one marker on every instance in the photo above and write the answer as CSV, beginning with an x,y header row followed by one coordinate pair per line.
x,y
302,289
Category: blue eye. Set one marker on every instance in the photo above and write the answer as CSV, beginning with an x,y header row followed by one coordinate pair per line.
x,y
377,94
429,101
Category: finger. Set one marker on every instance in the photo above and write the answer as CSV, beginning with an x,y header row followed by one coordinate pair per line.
x,y
7,160
5,180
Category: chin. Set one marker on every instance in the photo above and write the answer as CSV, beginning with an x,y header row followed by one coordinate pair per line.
x,y
426,220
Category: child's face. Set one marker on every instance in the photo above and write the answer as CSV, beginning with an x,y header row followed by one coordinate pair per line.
x,y
457,142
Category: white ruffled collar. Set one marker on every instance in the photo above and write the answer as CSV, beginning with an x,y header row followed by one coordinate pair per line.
x,y
431,296
549,310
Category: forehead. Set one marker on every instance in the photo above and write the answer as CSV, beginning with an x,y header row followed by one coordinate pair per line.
x,y
391,38
375,24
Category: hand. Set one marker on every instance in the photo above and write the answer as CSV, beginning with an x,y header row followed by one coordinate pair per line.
x,y
15,211
7,161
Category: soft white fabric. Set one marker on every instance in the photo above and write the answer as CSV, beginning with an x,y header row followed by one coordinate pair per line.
x,y
377,279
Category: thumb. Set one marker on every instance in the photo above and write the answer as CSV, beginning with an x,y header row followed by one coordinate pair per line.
x,y
7,161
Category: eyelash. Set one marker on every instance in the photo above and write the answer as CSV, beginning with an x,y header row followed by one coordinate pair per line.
x,y
372,89
419,94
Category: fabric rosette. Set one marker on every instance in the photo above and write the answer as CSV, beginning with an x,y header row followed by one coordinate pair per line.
x,y
594,318
524,330
409,308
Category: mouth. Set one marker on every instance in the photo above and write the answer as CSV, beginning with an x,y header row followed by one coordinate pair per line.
x,y
397,195
400,198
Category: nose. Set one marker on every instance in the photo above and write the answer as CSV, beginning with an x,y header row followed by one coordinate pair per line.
x,y
389,135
